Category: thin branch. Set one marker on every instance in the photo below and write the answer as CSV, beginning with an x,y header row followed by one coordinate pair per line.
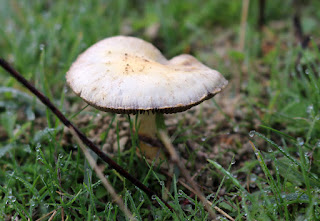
x,y
78,133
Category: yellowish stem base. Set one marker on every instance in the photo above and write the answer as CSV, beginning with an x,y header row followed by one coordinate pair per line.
x,y
146,126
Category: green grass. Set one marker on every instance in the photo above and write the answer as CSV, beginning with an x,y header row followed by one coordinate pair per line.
x,y
42,170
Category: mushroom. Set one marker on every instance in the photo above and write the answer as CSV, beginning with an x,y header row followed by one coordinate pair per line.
x,y
128,75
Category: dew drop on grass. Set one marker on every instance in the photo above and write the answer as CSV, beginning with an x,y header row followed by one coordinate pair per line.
x,y
27,148
38,147
34,197
128,192
57,26
41,47
11,198
60,155
32,203
233,162
318,144
300,141
141,198
299,67
310,109
252,133
203,139
65,89
307,72
153,197
161,183
180,192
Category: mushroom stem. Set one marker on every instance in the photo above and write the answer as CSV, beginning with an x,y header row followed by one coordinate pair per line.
x,y
150,127
146,126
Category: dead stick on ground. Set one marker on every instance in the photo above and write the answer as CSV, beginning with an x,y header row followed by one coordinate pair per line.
x,y
78,133
163,135
104,181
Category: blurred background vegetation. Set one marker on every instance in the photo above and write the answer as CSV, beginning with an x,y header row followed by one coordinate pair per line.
x,y
274,81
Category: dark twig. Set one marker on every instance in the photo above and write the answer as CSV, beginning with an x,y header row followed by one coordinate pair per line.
x,y
262,18
81,136
303,39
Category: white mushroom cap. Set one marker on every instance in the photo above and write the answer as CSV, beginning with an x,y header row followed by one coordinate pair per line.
x,y
129,75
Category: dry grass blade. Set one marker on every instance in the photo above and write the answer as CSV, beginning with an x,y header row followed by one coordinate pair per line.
x,y
167,143
52,216
222,212
193,191
104,180
52,212
243,25
165,139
